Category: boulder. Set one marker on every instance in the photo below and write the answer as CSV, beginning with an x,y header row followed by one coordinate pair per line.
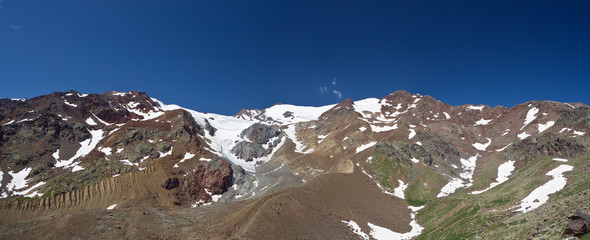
x,y
579,224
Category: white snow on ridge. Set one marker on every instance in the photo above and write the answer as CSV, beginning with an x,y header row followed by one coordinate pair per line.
x,y
482,146
483,122
530,116
540,195
299,113
543,127
504,172
70,104
471,107
365,146
111,207
146,116
368,105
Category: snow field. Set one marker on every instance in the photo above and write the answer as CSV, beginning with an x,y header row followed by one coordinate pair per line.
x,y
540,195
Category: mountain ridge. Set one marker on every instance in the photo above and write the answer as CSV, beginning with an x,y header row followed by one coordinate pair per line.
x,y
406,146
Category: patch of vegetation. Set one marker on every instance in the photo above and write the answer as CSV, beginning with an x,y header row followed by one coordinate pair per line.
x,y
20,199
489,215
424,187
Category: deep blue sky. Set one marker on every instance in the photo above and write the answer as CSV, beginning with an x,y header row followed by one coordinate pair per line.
x,y
221,56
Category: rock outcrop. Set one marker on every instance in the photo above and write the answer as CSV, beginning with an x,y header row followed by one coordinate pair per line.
x,y
259,144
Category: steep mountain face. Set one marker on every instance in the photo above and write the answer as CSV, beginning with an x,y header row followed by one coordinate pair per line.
x,y
404,166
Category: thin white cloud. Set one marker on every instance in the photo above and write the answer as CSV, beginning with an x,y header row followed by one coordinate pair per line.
x,y
14,27
334,81
338,93
323,89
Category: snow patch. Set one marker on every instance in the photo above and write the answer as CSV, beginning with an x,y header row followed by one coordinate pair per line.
x,y
578,133
111,207
70,104
85,147
502,149
504,172
482,146
322,137
356,229
166,153
90,121
560,159
380,233
465,180
399,190
522,135
483,122
292,134
540,195
530,116
107,151
383,128
543,127
450,187
186,157
447,115
18,179
412,133
365,146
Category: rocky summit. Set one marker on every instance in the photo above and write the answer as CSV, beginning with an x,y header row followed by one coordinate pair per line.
x,y
405,166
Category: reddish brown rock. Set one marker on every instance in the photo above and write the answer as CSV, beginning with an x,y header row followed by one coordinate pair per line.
x,y
215,176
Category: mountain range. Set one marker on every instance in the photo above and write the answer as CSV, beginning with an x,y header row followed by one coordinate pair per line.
x,y
405,166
